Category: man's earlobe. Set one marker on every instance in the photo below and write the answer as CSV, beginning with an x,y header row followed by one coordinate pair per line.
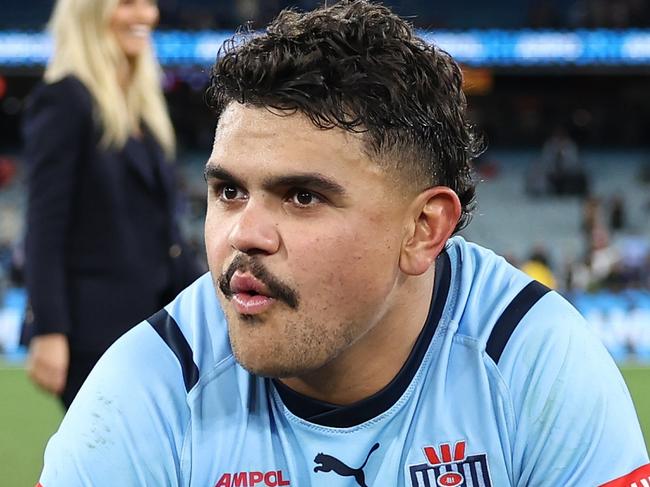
x,y
435,214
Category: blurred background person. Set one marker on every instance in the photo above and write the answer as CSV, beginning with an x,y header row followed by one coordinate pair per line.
x,y
538,267
103,248
565,172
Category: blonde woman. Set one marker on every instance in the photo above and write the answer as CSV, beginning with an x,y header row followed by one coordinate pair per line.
x,y
103,247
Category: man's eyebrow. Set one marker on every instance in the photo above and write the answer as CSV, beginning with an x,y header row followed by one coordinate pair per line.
x,y
315,181
213,171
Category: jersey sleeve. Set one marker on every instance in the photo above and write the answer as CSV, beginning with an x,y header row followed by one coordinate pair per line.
x,y
575,420
127,425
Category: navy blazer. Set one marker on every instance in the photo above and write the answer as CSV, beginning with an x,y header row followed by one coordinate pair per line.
x,y
103,248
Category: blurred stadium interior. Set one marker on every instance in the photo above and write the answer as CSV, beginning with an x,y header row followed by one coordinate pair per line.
x,y
559,88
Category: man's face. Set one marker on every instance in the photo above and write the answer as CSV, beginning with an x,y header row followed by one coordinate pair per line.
x,y
303,235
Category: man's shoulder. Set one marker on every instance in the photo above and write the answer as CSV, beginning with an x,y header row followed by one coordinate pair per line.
x,y
140,398
494,300
194,328
189,335
523,328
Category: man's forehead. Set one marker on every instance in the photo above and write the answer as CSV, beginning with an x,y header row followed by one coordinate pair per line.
x,y
280,141
259,120
261,123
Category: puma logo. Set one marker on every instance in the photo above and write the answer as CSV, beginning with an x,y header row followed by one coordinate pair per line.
x,y
328,463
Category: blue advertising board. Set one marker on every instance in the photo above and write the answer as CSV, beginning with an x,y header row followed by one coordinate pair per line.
x,y
489,48
621,321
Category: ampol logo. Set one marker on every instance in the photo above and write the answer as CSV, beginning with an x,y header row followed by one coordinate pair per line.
x,y
273,478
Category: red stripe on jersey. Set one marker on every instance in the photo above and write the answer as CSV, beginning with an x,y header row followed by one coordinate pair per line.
x,y
459,451
39,485
431,455
445,452
641,473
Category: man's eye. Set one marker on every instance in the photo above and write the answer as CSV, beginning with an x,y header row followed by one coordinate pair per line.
x,y
229,192
305,198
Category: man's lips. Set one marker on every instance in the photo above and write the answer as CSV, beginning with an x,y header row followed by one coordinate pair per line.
x,y
249,295
243,282
251,282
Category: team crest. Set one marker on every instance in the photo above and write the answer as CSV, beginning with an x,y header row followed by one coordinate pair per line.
x,y
447,468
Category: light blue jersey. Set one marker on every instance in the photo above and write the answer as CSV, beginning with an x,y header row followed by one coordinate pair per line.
x,y
505,387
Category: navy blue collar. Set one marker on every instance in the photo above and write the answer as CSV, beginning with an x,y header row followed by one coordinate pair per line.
x,y
327,414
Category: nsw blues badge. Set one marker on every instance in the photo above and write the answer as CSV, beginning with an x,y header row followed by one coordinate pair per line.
x,y
443,466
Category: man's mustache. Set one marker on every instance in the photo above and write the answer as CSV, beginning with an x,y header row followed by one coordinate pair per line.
x,y
276,287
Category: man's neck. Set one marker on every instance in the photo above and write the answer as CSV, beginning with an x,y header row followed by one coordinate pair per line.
x,y
370,364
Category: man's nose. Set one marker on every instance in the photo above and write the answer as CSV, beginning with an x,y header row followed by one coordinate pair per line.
x,y
255,231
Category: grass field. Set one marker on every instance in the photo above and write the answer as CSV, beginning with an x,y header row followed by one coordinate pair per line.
x,y
28,417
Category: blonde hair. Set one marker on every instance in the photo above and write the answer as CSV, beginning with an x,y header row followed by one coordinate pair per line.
x,y
85,48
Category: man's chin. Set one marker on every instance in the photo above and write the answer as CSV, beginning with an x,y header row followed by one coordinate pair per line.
x,y
274,371
269,366
250,319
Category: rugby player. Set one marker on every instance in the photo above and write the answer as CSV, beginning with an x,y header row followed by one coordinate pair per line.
x,y
345,336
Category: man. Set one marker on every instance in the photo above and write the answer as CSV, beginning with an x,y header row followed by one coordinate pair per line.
x,y
342,338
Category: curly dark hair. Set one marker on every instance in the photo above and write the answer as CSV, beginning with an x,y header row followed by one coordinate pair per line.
x,y
359,67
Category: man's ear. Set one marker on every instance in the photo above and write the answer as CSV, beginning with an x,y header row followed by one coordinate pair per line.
x,y
433,216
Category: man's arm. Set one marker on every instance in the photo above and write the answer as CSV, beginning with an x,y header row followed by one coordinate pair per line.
x,y
127,424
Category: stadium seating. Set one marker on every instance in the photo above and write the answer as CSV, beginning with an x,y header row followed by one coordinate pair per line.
x,y
511,222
